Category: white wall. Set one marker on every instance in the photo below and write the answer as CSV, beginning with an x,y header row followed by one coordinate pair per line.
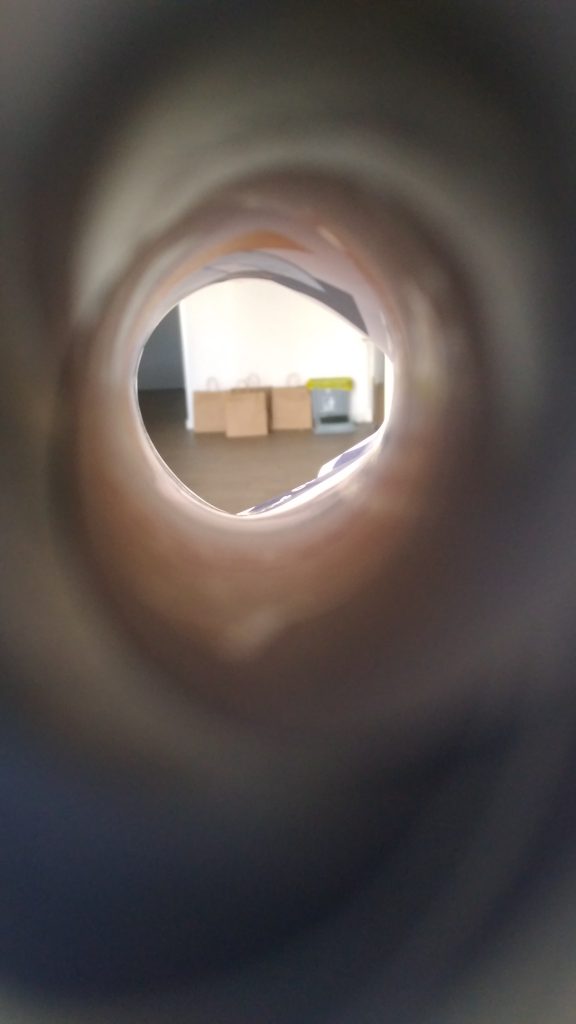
x,y
242,327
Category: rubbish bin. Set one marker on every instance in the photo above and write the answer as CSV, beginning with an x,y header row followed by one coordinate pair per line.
x,y
331,404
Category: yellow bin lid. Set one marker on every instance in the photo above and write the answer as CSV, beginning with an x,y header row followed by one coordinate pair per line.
x,y
331,383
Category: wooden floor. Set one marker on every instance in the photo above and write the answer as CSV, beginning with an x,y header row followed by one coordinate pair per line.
x,y
236,474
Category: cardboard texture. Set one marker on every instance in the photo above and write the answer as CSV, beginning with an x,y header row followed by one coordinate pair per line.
x,y
247,412
291,408
209,412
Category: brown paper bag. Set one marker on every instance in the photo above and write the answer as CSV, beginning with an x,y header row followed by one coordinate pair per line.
x,y
291,408
210,409
247,412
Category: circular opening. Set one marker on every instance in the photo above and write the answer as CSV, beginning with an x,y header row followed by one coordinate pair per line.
x,y
191,577
261,394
